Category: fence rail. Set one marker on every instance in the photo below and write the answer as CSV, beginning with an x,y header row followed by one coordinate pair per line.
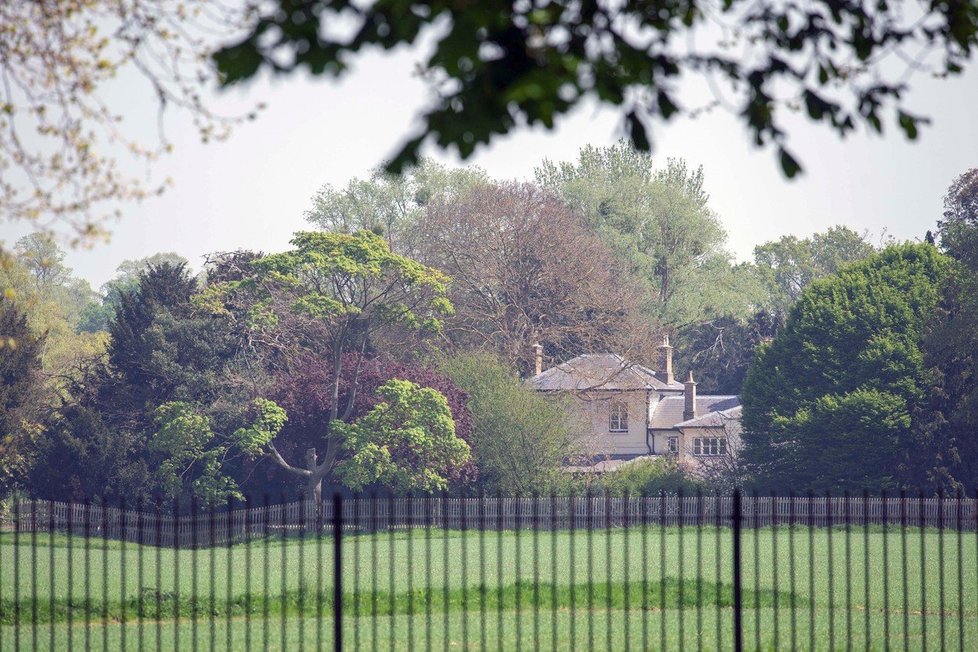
x,y
213,527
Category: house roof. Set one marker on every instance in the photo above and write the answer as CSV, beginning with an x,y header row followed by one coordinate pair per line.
x,y
604,371
668,412
716,419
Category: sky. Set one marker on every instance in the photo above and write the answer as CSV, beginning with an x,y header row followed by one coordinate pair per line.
x,y
250,191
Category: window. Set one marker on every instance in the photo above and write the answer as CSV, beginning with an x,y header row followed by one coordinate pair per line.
x,y
618,420
674,444
710,446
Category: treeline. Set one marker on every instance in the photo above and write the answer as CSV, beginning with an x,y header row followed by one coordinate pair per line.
x,y
384,349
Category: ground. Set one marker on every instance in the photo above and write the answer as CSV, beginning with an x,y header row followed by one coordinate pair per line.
x,y
509,590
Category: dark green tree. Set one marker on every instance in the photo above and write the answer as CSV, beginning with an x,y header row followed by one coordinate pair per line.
x,y
21,392
828,404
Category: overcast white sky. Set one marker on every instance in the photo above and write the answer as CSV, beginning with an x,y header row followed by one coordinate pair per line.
x,y
250,191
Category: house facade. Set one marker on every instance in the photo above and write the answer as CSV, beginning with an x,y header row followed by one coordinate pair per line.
x,y
629,411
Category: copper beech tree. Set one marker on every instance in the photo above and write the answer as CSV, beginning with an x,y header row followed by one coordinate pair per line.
x,y
526,269
352,287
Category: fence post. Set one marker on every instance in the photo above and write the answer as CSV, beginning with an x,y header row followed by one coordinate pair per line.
x,y
337,572
738,601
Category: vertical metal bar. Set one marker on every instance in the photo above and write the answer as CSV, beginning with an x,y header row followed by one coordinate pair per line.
x,y
756,507
811,570
266,568
866,590
791,570
16,516
644,512
374,560
105,582
464,538
212,577
607,573
194,586
626,570
247,536
718,558
886,570
536,572
483,506
940,564
51,567
176,573
445,574
338,572
553,572
429,517
959,514
410,569
572,549
699,569
590,569
34,614
904,573
229,575
831,569
390,568
776,575
680,503
738,591
303,591
922,517
88,573
284,571
847,516
320,595
662,569
499,572
70,557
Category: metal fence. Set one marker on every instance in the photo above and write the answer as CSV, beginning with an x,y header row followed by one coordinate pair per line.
x,y
578,572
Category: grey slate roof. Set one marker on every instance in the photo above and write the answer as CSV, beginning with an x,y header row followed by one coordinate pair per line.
x,y
669,411
606,371
716,419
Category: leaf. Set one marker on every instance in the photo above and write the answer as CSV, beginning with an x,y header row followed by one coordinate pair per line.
x,y
789,165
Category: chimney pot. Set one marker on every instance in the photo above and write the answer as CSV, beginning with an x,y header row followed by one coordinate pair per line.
x,y
537,359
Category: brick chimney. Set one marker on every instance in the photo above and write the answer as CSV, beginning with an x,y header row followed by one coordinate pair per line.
x,y
665,361
690,398
537,359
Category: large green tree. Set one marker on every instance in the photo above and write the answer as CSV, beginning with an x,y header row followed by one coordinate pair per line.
x,y
348,288
828,405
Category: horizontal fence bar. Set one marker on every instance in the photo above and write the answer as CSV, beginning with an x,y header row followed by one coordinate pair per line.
x,y
364,514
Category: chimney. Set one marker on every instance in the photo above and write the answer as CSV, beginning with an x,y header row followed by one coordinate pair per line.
x,y
690,395
537,359
665,361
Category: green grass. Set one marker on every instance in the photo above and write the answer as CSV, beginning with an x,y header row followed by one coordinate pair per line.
x,y
653,582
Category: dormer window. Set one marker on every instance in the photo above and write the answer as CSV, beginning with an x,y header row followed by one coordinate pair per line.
x,y
618,417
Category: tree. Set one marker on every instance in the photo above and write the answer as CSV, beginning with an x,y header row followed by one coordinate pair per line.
x,y
790,264
407,442
525,269
65,154
520,440
512,63
947,423
828,404
21,394
390,204
660,224
350,286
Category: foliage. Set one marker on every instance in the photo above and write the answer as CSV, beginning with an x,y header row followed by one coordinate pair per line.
x,y
649,477
390,204
520,439
407,442
349,288
508,63
525,269
947,424
661,226
789,265
21,394
194,455
839,383
66,157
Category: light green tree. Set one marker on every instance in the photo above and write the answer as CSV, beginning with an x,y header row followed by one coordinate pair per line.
x,y
405,443
194,455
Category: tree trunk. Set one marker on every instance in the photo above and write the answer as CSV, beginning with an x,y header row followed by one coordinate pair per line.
x,y
314,486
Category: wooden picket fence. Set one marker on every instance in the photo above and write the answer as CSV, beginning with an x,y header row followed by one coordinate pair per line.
x,y
206,528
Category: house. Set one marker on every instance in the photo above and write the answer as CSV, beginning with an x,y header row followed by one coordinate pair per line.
x,y
628,411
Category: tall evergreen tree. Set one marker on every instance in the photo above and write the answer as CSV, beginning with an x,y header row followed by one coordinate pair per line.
x,y
828,404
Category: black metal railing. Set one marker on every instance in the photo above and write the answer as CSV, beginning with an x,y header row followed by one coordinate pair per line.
x,y
494,573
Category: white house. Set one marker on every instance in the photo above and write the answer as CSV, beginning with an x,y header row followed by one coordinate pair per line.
x,y
631,411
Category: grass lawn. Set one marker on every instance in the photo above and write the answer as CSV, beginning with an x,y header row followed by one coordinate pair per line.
x,y
510,590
